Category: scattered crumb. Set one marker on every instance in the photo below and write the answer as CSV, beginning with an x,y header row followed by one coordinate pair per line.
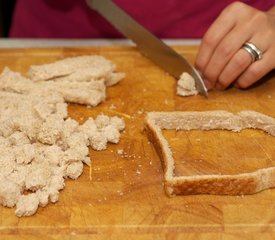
x,y
112,107
140,111
120,151
120,193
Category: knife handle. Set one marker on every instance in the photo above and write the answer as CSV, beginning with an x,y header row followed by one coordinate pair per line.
x,y
92,3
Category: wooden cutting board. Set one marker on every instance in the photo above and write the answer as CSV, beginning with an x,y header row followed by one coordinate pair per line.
x,y
122,195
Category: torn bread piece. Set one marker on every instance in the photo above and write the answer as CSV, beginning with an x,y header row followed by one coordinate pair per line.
x,y
81,80
89,93
77,69
238,184
186,85
93,74
67,66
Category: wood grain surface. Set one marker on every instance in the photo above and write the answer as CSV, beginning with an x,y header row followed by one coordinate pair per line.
x,y
122,196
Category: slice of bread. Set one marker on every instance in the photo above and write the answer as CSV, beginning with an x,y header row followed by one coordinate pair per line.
x,y
238,184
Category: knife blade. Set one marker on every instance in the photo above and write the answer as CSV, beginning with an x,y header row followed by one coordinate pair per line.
x,y
147,43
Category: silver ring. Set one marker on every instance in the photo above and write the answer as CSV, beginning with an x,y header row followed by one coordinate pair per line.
x,y
254,52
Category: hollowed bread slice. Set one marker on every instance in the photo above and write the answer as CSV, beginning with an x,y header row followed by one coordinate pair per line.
x,y
236,184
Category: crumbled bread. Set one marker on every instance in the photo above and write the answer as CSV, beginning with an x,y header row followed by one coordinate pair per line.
x,y
59,148
88,128
98,141
111,133
102,121
9,192
38,175
40,145
43,197
87,161
14,82
24,154
69,126
18,138
74,170
52,154
50,130
186,85
27,205
42,168
117,123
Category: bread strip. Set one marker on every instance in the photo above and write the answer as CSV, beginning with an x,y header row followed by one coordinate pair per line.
x,y
89,93
93,74
67,66
77,69
244,183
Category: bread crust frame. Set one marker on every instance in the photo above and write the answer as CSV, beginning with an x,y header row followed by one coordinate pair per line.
x,y
237,184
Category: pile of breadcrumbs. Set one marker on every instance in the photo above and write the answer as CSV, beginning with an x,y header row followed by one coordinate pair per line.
x,y
40,145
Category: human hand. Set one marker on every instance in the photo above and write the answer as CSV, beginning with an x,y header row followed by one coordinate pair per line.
x,y
221,58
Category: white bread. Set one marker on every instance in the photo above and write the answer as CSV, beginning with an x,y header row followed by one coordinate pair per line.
x,y
238,184
90,92
77,69
81,79
67,66
186,85
40,145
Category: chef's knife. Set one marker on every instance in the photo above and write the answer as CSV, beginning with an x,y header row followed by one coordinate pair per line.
x,y
148,44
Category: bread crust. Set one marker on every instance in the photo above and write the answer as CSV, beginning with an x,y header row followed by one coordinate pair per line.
x,y
237,184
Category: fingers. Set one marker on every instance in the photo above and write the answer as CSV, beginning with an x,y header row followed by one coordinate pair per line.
x,y
221,58
224,53
223,24
238,64
256,70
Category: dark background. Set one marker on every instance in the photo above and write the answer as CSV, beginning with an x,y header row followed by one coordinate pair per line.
x,y
6,10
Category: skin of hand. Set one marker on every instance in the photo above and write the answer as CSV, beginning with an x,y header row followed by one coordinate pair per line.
x,y
221,59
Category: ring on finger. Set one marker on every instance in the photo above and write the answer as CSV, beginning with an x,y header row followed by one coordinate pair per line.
x,y
254,52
